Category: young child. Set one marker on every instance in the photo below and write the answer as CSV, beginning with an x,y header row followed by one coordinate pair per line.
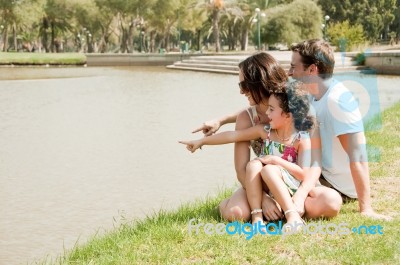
x,y
286,154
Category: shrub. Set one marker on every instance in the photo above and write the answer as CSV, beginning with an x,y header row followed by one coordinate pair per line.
x,y
344,36
359,58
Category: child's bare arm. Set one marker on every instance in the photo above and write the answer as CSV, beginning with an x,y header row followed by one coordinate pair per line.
x,y
192,146
294,169
226,137
299,170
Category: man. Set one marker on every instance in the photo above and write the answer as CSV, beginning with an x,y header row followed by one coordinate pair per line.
x,y
344,157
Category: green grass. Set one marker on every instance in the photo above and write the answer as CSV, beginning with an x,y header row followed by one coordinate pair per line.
x,y
164,237
26,58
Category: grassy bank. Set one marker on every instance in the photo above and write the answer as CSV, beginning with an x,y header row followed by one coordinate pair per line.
x,y
165,239
26,58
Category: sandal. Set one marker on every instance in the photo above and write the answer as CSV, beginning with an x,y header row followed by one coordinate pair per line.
x,y
255,224
296,226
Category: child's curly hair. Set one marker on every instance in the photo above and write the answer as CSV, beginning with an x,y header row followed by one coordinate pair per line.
x,y
293,99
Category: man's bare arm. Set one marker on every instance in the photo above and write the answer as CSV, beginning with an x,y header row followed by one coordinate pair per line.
x,y
355,146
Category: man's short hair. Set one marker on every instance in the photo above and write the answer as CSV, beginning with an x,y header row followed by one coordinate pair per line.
x,y
318,52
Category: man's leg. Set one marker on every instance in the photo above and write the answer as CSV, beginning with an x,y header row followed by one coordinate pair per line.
x,y
236,207
322,202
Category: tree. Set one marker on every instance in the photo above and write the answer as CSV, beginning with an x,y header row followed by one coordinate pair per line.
x,y
120,11
28,14
375,16
192,21
395,26
87,24
217,6
214,9
127,18
57,22
248,7
230,25
11,20
388,9
345,36
107,17
164,19
286,26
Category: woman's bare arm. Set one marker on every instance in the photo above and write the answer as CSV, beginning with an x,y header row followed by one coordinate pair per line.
x,y
212,126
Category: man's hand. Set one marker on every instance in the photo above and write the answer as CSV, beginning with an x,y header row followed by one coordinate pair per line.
x,y
372,214
271,209
208,127
192,146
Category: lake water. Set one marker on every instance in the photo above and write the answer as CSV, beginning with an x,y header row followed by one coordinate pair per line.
x,y
83,148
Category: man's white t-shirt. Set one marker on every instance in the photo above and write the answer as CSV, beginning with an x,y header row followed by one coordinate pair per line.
x,y
337,114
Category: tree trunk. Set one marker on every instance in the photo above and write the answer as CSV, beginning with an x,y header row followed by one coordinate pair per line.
x,y
215,20
103,44
124,37
142,41
53,36
103,41
15,37
166,38
5,38
130,37
89,39
167,44
153,41
161,44
245,39
231,39
198,40
45,26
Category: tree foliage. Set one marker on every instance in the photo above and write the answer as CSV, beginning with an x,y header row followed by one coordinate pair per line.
x,y
285,26
135,25
375,16
395,26
345,36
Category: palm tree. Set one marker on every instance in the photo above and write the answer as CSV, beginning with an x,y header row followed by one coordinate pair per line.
x,y
10,20
193,20
217,8
214,8
248,7
230,26
57,22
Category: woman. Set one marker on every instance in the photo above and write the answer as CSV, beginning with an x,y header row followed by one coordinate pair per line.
x,y
259,74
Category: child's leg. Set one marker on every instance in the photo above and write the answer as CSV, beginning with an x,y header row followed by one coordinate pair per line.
x,y
254,189
272,176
